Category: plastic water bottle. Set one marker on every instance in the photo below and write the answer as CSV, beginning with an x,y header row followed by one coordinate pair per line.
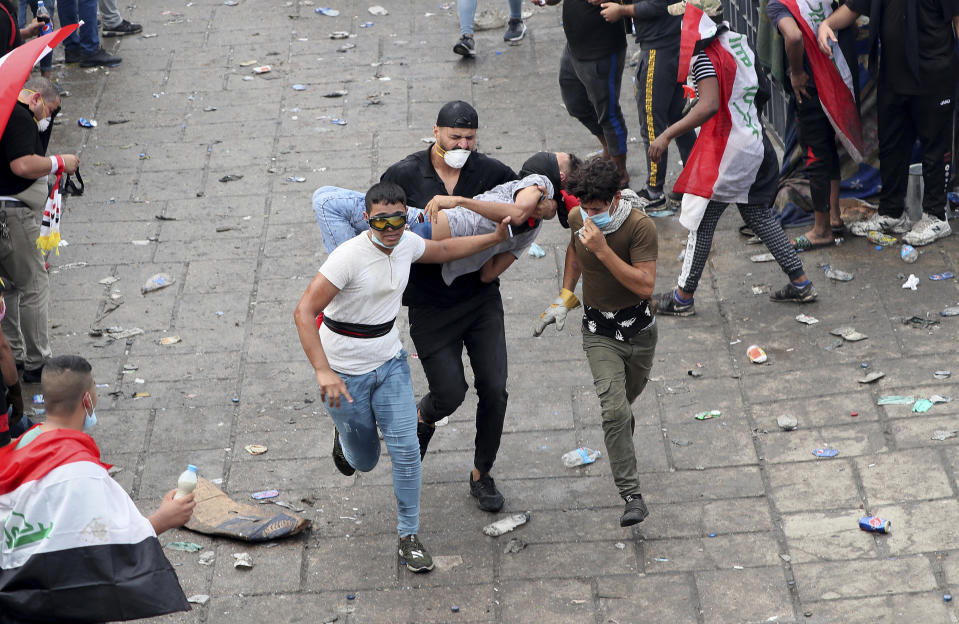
x,y
186,483
43,16
579,457
909,254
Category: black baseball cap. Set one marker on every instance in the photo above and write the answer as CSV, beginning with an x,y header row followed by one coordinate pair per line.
x,y
457,114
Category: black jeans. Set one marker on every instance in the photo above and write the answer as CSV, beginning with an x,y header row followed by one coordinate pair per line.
x,y
818,139
440,335
901,119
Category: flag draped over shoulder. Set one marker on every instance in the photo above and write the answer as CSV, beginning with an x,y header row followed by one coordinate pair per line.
x,y
729,150
832,76
73,546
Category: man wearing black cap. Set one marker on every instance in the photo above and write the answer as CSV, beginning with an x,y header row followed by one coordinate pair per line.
x,y
468,312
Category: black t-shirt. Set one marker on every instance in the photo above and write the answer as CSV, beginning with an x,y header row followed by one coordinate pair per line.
x,y
933,38
416,175
9,32
21,138
589,36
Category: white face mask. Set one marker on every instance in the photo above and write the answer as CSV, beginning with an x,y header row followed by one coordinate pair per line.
x,y
43,124
376,239
456,158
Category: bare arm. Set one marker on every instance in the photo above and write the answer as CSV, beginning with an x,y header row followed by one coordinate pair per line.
x,y
795,51
318,295
33,166
495,266
843,17
438,252
571,269
704,109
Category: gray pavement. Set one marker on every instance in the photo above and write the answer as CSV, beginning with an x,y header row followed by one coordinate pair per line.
x,y
746,524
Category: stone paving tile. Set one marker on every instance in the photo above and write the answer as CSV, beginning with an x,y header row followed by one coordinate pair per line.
x,y
758,489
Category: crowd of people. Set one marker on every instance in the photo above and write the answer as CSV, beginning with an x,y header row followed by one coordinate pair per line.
x,y
441,225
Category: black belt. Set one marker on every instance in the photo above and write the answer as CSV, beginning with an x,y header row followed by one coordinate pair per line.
x,y
358,330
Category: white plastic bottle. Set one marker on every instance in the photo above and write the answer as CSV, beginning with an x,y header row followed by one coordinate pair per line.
x,y
186,483
579,457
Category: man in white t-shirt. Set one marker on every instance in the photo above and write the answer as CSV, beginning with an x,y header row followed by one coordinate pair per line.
x,y
359,361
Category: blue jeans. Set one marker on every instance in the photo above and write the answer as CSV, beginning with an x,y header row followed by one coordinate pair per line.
x,y
46,63
339,213
86,39
467,11
384,397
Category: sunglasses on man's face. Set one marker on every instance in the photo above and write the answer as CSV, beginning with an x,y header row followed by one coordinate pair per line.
x,y
392,221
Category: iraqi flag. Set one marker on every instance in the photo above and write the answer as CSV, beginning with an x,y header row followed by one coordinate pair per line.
x,y
73,546
729,150
833,76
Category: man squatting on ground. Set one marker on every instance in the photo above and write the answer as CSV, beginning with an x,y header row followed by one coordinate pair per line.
x,y
446,317
359,361
613,246
732,161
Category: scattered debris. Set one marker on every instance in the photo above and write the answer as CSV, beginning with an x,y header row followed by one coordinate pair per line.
x,y
335,94
895,399
200,599
848,333
118,333
875,524
255,449
808,320
506,524
265,494
909,254
836,274
514,545
940,434
825,452
83,122
942,374
937,399
938,277
242,560
158,281
708,415
339,34
231,177
262,69
536,251
206,558
326,11
787,423
299,87
912,283
921,406
170,340
872,377
378,11
679,442
580,457
184,546
763,257
756,354
951,311
880,238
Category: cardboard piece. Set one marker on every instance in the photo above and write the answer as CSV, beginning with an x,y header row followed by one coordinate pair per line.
x,y
218,514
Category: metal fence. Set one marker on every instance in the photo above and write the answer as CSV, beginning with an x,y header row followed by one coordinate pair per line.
x,y
743,17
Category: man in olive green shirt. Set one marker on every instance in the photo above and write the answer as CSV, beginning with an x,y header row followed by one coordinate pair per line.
x,y
613,247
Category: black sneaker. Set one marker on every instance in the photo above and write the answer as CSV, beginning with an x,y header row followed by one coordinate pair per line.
x,y
665,303
465,46
124,28
515,30
339,459
72,56
488,498
635,511
424,433
100,57
414,554
651,203
791,292
32,376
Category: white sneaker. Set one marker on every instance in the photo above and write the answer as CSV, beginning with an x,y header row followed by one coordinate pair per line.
x,y
880,223
927,230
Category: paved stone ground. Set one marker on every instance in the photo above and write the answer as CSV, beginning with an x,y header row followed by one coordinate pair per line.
x,y
746,524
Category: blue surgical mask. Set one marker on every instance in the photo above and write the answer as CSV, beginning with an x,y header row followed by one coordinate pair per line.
x,y
90,420
600,220
376,239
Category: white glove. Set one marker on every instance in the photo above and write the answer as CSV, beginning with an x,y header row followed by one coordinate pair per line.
x,y
557,311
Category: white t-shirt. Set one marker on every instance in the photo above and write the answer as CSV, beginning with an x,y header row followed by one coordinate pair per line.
x,y
371,287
